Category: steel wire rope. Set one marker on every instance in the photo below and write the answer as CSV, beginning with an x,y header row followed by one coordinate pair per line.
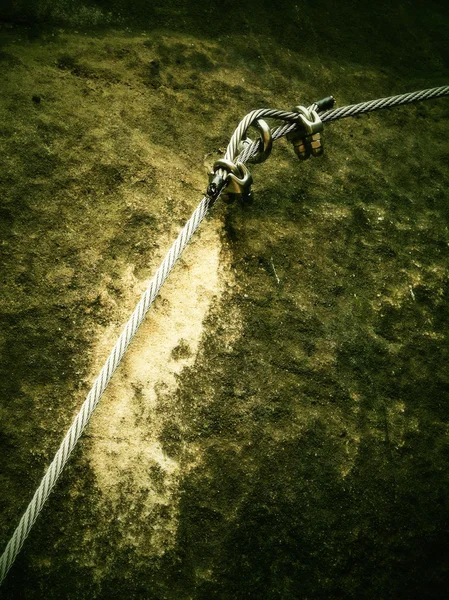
x,y
67,445
327,116
93,397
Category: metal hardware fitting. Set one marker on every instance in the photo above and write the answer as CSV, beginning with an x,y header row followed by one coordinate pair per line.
x,y
307,139
265,140
325,103
237,183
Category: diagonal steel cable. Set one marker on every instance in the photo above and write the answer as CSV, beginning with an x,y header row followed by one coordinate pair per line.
x,y
62,455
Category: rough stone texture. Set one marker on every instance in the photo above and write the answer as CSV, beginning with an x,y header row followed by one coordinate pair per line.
x,y
279,427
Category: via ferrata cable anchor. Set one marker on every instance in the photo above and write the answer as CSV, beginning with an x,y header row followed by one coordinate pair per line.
x,y
306,139
236,185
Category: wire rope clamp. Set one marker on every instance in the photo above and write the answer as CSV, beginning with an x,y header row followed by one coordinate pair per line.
x,y
237,182
306,139
265,141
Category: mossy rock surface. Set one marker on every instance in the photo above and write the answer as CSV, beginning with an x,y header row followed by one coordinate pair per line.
x,y
279,427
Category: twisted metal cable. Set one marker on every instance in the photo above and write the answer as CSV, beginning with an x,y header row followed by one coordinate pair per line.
x,y
240,131
267,113
334,114
401,99
62,455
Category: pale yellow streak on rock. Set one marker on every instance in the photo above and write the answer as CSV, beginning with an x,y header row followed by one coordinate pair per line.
x,y
136,477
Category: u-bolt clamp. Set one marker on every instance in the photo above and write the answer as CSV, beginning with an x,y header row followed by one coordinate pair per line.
x,y
265,141
237,183
307,139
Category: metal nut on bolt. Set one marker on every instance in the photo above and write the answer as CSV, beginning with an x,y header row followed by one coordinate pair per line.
x,y
316,145
306,139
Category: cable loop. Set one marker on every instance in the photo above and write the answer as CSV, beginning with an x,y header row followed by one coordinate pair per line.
x,y
264,142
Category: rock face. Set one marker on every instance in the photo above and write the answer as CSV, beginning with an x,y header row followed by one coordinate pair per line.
x,y
278,428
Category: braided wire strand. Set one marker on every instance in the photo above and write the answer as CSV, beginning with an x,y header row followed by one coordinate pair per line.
x,y
392,101
67,445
